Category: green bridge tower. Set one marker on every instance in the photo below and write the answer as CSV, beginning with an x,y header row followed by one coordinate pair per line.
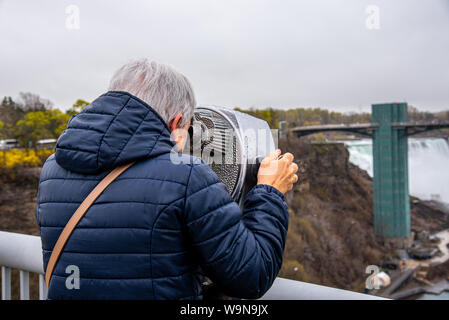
x,y
390,168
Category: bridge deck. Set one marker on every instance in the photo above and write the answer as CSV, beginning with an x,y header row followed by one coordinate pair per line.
x,y
368,128
360,128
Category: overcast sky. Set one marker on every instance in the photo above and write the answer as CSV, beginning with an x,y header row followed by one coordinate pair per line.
x,y
316,53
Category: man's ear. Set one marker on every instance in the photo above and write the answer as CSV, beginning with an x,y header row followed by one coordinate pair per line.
x,y
175,122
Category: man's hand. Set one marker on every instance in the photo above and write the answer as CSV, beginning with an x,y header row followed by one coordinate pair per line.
x,y
279,173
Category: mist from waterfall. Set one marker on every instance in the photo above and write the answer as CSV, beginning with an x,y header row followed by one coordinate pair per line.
x,y
428,162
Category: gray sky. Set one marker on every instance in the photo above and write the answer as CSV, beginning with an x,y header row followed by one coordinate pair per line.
x,y
282,54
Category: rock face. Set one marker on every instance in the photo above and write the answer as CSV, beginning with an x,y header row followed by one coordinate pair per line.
x,y
428,216
331,235
18,194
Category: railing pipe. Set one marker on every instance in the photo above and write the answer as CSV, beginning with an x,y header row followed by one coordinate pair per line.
x,y
24,285
6,283
285,289
42,288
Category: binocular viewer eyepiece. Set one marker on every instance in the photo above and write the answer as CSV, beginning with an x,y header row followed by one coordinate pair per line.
x,y
232,143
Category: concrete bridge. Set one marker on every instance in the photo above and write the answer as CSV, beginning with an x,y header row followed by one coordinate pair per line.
x,y
389,130
367,129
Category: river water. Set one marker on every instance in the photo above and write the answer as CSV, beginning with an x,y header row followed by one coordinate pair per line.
x,y
428,165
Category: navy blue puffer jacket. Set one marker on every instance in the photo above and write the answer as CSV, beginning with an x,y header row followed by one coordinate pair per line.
x,y
160,223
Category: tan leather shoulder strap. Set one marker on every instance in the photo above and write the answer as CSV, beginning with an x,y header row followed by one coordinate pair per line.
x,y
76,217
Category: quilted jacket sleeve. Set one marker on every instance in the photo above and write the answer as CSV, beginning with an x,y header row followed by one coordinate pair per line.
x,y
240,252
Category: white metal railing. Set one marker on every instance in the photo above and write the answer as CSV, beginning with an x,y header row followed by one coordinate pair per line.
x,y
24,252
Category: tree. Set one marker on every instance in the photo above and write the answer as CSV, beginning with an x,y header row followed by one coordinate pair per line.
x,y
37,125
57,122
10,112
33,102
77,107
2,127
32,128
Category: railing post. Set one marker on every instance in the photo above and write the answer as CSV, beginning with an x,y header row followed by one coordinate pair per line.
x,y
24,285
42,288
6,283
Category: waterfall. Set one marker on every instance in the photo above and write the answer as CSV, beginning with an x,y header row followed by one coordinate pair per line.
x,y
428,163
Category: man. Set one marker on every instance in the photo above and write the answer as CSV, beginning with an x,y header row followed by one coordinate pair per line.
x,y
159,225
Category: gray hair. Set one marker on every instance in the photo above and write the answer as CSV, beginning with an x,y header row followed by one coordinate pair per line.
x,y
163,88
